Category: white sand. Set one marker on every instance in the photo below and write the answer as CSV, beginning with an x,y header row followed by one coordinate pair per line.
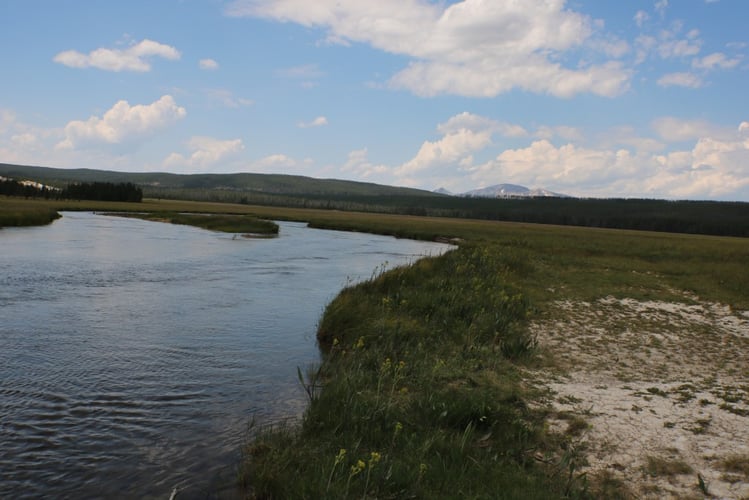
x,y
654,379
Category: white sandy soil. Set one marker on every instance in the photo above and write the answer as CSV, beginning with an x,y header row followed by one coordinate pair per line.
x,y
658,383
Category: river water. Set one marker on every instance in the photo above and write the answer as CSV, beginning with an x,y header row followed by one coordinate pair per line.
x,y
134,354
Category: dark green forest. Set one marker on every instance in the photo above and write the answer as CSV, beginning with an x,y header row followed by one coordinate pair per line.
x,y
103,191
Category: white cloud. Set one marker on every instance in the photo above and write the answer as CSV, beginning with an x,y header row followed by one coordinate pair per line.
x,y
471,48
567,167
358,163
317,122
208,64
562,131
122,122
7,119
671,48
716,166
226,98
463,135
134,58
661,6
640,17
205,152
275,160
668,44
716,60
681,79
25,141
677,130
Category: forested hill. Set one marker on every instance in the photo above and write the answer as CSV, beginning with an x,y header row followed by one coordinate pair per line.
x,y
696,217
155,183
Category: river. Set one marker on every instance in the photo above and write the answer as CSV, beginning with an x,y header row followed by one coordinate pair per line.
x,y
134,354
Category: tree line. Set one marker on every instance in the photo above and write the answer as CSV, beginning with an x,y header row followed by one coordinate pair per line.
x,y
10,187
98,191
103,191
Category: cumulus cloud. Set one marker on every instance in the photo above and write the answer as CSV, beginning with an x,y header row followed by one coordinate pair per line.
x,y
205,152
462,135
317,122
715,166
134,58
471,48
681,79
358,163
122,122
208,64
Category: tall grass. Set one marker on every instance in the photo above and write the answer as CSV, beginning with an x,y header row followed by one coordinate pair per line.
x,y
421,392
14,213
229,223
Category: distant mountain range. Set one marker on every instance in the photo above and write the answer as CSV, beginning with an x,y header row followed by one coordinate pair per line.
x,y
505,191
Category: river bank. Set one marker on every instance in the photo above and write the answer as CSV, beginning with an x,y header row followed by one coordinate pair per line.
x,y
431,383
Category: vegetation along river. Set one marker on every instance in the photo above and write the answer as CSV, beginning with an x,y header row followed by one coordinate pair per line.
x,y
134,354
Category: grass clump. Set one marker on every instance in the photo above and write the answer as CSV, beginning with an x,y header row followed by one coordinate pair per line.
x,y
17,213
659,466
737,464
421,395
228,223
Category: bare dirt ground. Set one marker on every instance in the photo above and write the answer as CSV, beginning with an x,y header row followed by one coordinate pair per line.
x,y
658,393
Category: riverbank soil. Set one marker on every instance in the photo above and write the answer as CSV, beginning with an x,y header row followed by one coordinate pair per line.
x,y
656,393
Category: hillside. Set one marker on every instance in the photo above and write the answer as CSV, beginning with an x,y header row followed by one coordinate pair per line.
x,y
162,182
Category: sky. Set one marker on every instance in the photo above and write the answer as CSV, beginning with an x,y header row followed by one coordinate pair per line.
x,y
590,98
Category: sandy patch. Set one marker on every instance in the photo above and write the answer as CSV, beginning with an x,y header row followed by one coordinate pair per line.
x,y
664,388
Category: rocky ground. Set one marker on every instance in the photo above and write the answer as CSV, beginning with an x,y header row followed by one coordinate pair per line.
x,y
653,395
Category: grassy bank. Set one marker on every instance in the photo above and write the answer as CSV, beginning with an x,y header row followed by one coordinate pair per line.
x,y
228,223
17,212
213,216
419,395
422,391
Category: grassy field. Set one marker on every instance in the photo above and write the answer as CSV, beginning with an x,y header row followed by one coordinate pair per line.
x,y
424,391
19,212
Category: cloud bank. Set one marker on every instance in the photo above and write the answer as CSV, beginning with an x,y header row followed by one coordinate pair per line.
x,y
472,48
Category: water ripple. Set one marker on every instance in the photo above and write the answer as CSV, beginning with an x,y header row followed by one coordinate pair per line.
x,y
134,354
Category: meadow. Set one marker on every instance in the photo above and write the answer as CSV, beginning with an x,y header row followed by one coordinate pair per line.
x,y
425,388
428,385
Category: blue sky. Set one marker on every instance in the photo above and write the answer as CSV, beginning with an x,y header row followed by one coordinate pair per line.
x,y
585,97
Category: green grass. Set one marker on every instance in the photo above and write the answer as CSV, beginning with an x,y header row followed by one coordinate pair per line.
x,y
457,324
421,389
228,223
16,212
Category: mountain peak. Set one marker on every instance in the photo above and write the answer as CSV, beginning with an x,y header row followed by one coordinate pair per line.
x,y
511,191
